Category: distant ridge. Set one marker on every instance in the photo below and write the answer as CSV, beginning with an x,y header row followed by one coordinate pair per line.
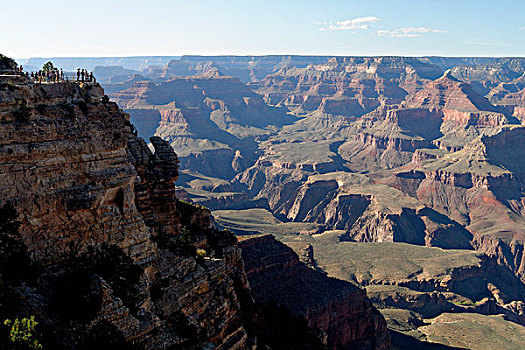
x,y
89,63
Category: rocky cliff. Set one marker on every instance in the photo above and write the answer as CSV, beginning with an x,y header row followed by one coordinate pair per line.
x,y
337,308
93,191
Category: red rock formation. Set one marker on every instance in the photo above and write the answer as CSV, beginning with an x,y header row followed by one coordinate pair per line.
x,y
349,86
458,101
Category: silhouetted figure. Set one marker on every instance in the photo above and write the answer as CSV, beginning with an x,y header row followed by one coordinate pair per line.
x,y
82,74
61,74
78,74
91,77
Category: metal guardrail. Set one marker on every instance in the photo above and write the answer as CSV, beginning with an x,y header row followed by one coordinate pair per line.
x,y
71,78
65,79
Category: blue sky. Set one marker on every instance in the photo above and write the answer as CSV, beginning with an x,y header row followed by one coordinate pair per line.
x,y
40,28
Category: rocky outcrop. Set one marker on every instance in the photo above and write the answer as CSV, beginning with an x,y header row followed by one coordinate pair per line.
x,y
100,217
89,184
71,149
339,309
362,213
507,253
306,199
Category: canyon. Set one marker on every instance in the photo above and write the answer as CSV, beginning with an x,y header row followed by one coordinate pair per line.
x,y
415,153
98,245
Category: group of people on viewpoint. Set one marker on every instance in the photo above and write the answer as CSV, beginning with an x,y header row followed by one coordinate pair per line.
x,y
84,75
55,75
49,76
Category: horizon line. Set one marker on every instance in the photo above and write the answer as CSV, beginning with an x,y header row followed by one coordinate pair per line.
x,y
273,55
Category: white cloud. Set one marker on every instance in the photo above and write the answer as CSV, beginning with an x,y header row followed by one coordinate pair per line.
x,y
350,24
521,28
410,32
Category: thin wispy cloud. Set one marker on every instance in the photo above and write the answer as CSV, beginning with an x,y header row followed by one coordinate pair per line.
x,y
409,32
521,28
350,24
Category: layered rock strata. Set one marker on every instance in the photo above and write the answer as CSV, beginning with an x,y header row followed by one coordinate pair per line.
x,y
339,309
89,182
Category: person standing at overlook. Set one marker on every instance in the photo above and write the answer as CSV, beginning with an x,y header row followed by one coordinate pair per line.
x,y
78,74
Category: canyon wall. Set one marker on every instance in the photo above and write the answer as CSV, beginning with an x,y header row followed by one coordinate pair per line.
x,y
339,309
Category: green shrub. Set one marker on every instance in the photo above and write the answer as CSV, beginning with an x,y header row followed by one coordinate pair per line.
x,y
201,253
118,269
48,66
23,333
183,244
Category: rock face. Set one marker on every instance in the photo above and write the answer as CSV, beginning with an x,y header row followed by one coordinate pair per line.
x,y
339,309
79,184
458,101
89,181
